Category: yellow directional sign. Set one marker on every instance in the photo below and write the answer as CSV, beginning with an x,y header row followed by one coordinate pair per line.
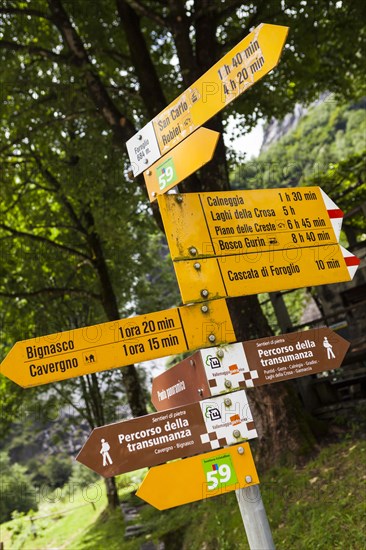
x,y
199,477
238,222
116,344
183,161
236,72
245,274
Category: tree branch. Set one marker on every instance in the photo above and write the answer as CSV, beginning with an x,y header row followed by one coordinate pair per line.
x,y
150,87
85,411
253,20
203,9
25,11
21,193
50,121
54,292
142,10
227,9
180,25
39,238
98,401
43,52
121,125
117,56
108,296
57,188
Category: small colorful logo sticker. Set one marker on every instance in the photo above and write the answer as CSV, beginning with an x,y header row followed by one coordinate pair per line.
x,y
235,419
219,472
234,369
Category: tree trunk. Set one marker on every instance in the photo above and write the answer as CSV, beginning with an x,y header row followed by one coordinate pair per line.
x,y
284,434
283,431
134,391
112,493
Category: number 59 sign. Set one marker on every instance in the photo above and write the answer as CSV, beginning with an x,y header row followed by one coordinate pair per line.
x,y
198,477
166,173
219,472
176,165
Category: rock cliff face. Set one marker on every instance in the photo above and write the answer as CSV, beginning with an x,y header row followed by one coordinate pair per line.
x,y
276,129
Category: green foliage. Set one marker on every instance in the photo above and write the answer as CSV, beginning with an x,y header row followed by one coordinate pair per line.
x,y
55,471
345,181
11,401
159,289
328,134
17,490
81,476
322,506
295,302
63,517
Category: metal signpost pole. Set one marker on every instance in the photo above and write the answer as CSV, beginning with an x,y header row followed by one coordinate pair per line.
x,y
254,518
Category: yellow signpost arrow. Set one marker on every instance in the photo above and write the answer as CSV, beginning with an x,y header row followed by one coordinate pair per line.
x,y
237,222
186,158
199,477
116,344
240,275
236,72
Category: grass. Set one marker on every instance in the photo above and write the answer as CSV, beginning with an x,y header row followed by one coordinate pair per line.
x,y
106,532
324,504
61,519
317,506
321,505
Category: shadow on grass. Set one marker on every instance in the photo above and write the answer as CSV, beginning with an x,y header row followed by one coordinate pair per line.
x,y
107,532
